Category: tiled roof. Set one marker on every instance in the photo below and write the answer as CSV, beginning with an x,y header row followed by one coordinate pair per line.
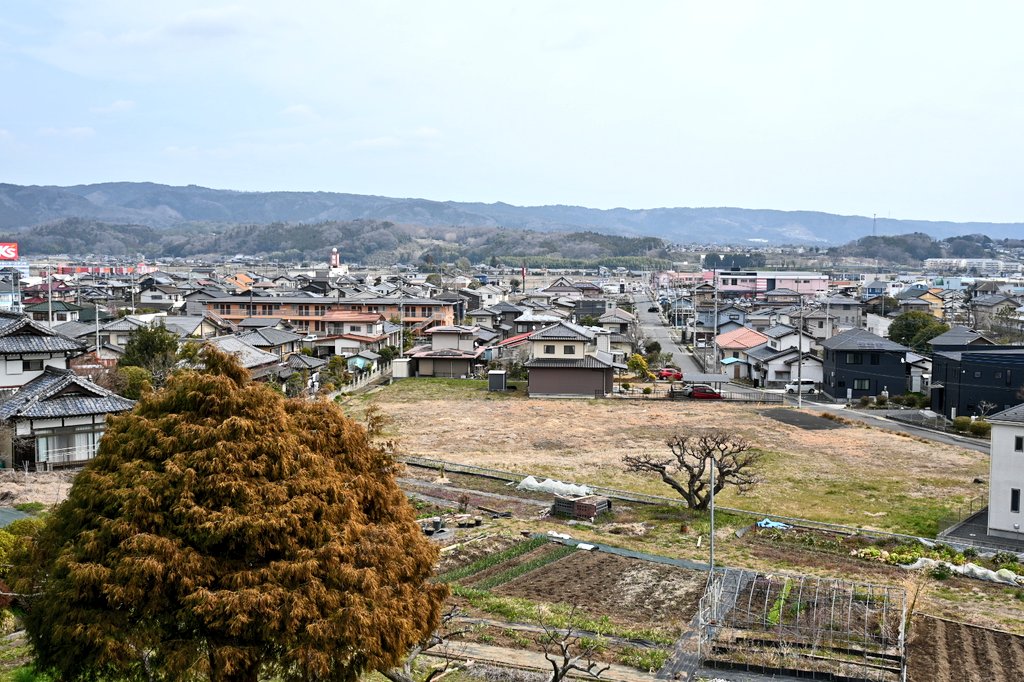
x,y
958,336
741,338
563,331
19,334
247,354
586,362
268,336
861,339
61,393
778,331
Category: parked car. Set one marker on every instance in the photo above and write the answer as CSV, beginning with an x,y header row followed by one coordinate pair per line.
x,y
653,309
689,388
670,373
805,386
704,393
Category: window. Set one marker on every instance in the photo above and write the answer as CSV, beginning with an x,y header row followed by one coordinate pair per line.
x,y
853,358
861,384
977,375
1015,500
569,349
32,365
302,311
997,375
266,309
549,350
355,328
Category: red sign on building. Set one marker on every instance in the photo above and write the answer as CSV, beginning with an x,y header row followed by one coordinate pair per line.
x,y
8,250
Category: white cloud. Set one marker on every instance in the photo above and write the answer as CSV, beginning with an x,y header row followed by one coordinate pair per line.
x,y
6,134
117,106
76,132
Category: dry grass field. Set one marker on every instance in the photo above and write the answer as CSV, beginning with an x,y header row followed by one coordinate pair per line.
x,y
856,474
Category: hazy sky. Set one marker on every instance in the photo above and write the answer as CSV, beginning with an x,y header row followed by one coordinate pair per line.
x,y
904,109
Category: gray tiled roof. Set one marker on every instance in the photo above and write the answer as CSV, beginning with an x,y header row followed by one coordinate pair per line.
x,y
19,334
958,336
61,393
269,336
778,331
861,339
586,362
563,331
247,354
303,361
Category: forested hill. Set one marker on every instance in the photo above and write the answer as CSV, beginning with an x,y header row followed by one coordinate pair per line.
x,y
911,249
367,241
163,206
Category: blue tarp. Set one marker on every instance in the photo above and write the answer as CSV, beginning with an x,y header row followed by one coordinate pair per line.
x,y
768,523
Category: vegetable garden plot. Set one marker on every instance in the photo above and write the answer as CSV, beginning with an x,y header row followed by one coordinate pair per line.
x,y
850,631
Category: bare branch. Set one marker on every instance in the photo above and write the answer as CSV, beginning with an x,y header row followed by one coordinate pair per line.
x,y
688,471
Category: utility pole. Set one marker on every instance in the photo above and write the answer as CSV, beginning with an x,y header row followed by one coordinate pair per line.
x,y
49,295
800,359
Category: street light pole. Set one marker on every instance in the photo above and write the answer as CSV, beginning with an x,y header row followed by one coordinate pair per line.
x,y
714,341
800,359
714,465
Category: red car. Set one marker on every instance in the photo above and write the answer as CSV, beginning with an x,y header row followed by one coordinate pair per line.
x,y
670,373
703,393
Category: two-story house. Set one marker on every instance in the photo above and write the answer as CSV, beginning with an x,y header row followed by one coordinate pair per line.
x,y
28,348
564,361
56,419
454,351
858,363
1006,474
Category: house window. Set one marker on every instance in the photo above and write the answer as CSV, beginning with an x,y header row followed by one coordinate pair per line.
x,y
1015,500
32,365
977,375
861,384
549,350
266,309
569,350
997,375
303,311
853,358
735,353
1018,443
356,328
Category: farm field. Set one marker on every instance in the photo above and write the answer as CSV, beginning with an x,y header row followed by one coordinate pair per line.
x,y
855,475
943,650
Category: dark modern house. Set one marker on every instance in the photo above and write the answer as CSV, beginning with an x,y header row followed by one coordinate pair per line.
x,y
858,363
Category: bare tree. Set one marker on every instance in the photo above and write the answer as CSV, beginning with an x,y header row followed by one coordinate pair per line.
x,y
439,639
566,651
984,408
688,470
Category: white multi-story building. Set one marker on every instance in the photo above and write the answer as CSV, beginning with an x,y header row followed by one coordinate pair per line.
x,y
1006,477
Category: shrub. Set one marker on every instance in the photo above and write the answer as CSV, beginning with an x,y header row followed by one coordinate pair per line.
x,y
970,553
1004,558
962,424
898,400
625,385
941,572
881,401
980,428
864,401
648,390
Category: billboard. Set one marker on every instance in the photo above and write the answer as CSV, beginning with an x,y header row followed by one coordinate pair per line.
x,y
8,250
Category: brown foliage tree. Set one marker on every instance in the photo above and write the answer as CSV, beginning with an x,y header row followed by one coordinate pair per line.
x,y
688,470
226,533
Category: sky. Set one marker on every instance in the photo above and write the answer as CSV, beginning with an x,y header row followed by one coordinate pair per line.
x,y
901,109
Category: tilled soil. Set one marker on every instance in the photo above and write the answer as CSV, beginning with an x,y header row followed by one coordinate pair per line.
x,y
626,590
943,651
541,551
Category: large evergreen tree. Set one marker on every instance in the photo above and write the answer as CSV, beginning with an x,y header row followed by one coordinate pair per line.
x,y
226,533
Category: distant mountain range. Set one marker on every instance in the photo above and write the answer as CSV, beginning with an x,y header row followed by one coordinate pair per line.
x,y
163,206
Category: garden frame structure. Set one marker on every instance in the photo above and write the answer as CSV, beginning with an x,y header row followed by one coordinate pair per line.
x,y
805,626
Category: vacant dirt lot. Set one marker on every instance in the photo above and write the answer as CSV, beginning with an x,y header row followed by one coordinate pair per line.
x,y
855,474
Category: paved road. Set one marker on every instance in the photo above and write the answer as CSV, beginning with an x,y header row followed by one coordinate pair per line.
x,y
654,327
881,422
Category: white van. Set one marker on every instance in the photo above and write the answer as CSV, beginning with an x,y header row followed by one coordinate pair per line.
x,y
806,386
